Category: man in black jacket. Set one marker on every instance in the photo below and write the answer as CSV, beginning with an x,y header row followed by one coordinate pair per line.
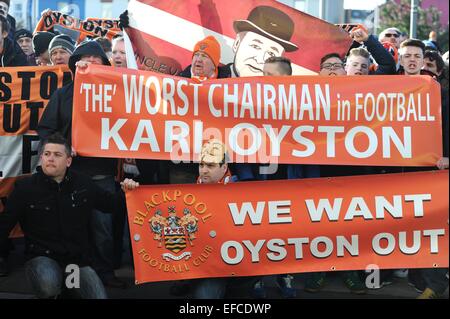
x,y
57,117
24,39
53,207
358,60
10,52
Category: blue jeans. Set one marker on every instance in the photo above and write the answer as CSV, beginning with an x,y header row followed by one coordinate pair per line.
x,y
249,171
103,235
215,288
210,288
434,278
295,171
47,279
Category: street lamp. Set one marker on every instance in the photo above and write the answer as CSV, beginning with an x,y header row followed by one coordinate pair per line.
x,y
413,20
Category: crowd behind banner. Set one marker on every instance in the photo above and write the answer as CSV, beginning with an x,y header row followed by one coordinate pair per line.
x,y
52,165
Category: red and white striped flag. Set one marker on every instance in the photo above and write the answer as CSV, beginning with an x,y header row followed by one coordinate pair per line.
x,y
164,33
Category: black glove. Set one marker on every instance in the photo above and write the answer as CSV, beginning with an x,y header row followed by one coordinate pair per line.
x,y
3,267
124,20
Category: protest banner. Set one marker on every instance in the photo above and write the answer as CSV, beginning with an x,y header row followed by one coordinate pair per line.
x,y
93,27
361,120
24,93
159,46
290,226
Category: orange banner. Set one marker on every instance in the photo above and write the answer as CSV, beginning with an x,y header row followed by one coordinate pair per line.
x,y
94,27
363,120
24,93
290,226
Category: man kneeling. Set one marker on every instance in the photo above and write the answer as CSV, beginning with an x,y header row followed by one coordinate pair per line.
x,y
53,208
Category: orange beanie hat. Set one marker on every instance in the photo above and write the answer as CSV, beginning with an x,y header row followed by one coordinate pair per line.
x,y
211,47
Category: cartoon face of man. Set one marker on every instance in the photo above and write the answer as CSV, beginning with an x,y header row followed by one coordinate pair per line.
x,y
251,51
265,33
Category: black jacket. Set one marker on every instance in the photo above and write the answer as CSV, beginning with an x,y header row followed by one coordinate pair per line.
x,y
385,61
12,54
54,217
57,117
223,72
87,48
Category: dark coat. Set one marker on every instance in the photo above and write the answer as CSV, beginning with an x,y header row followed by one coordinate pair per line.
x,y
54,217
12,54
57,117
385,61
223,72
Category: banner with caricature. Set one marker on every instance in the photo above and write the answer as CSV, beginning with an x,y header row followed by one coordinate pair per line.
x,y
164,34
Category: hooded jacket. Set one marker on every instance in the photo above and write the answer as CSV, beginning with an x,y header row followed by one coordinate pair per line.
x,y
87,48
12,54
57,116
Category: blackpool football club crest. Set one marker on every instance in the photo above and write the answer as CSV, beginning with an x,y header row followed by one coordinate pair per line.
x,y
174,232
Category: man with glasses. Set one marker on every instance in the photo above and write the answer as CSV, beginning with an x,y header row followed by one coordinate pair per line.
x,y
391,35
331,64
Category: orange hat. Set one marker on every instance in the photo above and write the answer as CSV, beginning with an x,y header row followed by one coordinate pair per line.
x,y
211,47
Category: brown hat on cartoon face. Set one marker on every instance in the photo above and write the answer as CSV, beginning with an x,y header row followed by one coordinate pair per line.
x,y
213,151
271,23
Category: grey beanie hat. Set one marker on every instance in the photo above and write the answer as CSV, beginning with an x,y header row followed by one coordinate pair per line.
x,y
61,41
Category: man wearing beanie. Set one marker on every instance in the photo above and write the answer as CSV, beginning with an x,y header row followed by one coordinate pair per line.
x,y
10,52
41,40
60,49
24,38
205,61
205,65
57,117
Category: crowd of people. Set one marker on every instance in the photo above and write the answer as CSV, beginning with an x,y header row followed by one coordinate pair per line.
x,y
72,211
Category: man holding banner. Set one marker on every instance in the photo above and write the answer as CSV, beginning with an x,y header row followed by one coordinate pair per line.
x,y
204,66
307,120
53,207
57,117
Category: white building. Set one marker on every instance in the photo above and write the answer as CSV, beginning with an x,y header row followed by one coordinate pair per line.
x,y
329,10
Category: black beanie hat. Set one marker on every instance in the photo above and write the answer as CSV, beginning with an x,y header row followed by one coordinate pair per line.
x,y
62,41
23,33
41,40
87,48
